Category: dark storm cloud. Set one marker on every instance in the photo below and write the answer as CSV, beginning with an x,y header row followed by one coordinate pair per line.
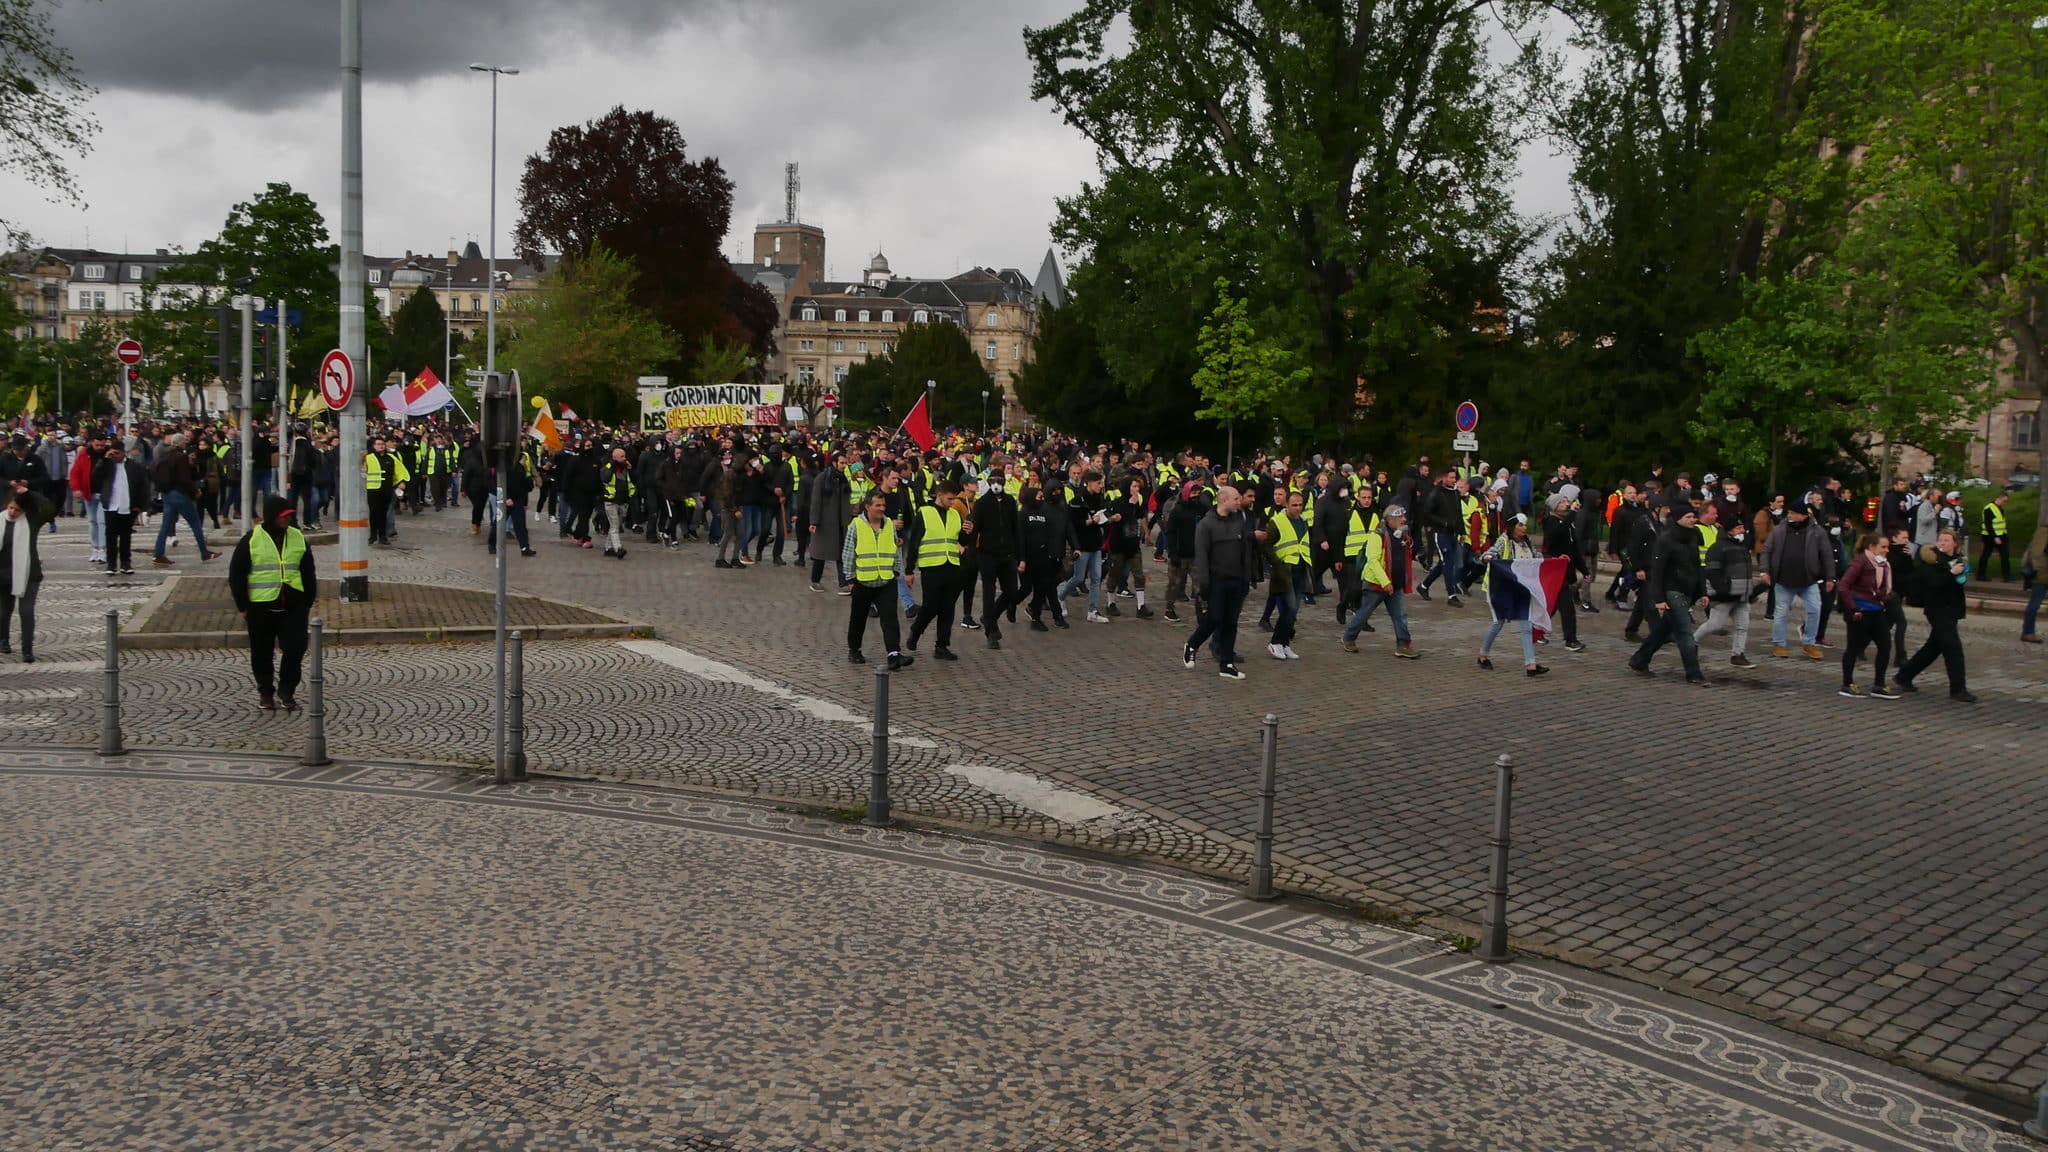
x,y
266,53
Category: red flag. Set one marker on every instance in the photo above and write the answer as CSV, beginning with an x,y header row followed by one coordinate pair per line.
x,y
919,424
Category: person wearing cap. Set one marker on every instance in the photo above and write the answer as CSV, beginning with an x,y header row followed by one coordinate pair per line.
x,y
273,580
1674,583
1385,572
1799,561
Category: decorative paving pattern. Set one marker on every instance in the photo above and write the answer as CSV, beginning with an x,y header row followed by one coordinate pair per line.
x,y
1900,924
197,603
264,968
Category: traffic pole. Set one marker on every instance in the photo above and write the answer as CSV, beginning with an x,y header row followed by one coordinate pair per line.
x,y
1262,845
878,815
354,520
316,703
1493,942
110,694
249,515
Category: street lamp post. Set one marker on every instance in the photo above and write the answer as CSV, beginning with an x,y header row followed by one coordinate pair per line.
x,y
504,457
984,412
448,326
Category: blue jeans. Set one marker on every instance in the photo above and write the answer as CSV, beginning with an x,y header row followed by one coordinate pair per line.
x,y
2026,624
1781,617
96,522
1369,599
752,524
177,504
1087,566
1528,639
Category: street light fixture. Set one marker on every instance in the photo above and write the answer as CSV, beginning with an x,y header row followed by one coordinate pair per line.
x,y
984,412
491,277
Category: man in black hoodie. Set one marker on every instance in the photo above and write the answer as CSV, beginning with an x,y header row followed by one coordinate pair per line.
x,y
272,578
995,544
1045,535
1674,582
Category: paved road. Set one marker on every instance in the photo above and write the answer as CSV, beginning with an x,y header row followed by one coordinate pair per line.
x,y
1864,870
209,952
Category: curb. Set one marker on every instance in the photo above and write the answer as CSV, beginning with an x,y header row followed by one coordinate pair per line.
x,y
459,633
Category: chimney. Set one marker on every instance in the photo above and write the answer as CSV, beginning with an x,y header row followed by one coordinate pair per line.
x,y
163,251
451,255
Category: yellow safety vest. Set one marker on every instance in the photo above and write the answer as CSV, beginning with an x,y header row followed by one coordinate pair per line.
x,y
374,479
270,573
1708,534
1359,532
1466,508
1375,548
1997,516
1292,545
611,487
860,488
874,552
1013,485
941,541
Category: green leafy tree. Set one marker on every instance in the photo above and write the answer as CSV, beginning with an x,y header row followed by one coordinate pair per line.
x,y
879,391
582,340
1246,378
1328,157
418,334
43,120
717,362
1881,340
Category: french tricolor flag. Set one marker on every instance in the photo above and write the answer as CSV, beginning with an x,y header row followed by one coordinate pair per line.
x,y
1527,589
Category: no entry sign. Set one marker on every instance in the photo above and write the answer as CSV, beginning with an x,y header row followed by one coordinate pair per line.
x,y
129,352
829,401
337,379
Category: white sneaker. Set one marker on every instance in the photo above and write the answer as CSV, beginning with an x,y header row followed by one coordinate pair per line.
x,y
1276,651
1291,653
1097,618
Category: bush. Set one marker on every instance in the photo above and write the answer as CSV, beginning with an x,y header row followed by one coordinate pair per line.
x,y
2020,516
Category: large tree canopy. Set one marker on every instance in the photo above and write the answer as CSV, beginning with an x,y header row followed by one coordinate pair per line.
x,y
624,181
583,340
879,391
1334,158
42,108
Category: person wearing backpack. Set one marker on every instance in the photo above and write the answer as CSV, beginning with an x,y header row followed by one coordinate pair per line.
x,y
1729,571
1939,574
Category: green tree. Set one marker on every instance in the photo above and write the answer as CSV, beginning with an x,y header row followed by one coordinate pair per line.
x,y
42,109
581,339
717,362
1328,157
419,334
1246,378
880,391
173,328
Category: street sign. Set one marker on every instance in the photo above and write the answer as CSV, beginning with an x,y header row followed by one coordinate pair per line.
x,y
1465,442
337,379
652,381
828,401
292,316
128,352
1468,420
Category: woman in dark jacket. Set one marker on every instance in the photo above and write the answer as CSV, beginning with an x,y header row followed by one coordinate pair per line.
x,y
1866,594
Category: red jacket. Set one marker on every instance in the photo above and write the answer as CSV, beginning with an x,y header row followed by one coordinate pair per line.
x,y
80,478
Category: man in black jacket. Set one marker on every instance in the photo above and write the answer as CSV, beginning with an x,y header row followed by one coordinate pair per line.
x,y
1674,582
1644,531
1045,534
1939,575
995,545
275,598
1561,538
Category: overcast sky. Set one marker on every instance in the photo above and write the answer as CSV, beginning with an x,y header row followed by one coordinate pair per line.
x,y
913,123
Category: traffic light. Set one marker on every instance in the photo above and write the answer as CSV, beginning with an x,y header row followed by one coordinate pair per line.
x,y
498,409
134,377
263,388
227,362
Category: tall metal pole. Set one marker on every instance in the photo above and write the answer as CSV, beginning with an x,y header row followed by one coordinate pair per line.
x,y
281,429
355,501
247,304
500,530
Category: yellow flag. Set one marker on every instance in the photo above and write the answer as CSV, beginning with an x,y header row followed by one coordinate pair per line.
x,y
34,396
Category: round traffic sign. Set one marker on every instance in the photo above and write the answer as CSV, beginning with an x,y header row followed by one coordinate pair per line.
x,y
829,401
1468,416
128,352
337,379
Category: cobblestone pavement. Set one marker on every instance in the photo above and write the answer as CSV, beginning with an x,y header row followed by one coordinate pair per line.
x,y
196,603
206,952
1861,870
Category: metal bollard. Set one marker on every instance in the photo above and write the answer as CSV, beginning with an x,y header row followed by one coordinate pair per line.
x,y
515,706
316,703
110,695
2038,1126
1493,943
1262,846
878,767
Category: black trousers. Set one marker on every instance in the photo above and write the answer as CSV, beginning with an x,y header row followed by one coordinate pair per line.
x,y
1942,641
25,603
284,630
1044,577
439,482
380,512
2004,557
1567,610
941,589
120,538
999,591
877,596
477,500
1872,628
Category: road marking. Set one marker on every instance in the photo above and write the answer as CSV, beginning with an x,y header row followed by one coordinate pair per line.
x,y
707,669
1041,796
27,695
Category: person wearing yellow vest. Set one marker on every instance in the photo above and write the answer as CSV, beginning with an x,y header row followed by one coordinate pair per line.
x,y
384,475
1350,533
1385,568
615,484
935,535
1287,550
438,462
1995,538
868,556
273,581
